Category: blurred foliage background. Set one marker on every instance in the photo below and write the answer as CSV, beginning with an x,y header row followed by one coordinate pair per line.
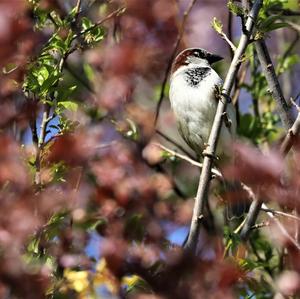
x,y
96,199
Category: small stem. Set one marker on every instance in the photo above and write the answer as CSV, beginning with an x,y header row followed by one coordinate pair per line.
x,y
251,218
40,144
214,171
279,213
169,139
115,13
274,86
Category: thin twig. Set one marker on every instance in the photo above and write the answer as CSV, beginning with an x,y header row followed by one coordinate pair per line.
x,y
172,141
252,214
286,145
290,47
228,41
279,213
260,225
282,228
214,171
295,26
284,113
205,176
286,12
241,80
45,120
175,48
273,83
229,30
251,218
290,137
271,214
78,5
115,13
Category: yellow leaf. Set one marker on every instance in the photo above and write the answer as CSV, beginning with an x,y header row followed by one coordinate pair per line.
x,y
78,280
104,277
130,280
101,266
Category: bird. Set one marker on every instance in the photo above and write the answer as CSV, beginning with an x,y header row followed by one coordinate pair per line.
x,y
193,94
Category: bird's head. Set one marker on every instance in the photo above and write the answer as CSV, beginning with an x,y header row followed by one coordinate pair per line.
x,y
194,56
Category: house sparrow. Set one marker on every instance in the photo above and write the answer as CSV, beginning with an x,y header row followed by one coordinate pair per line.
x,y
194,88
193,94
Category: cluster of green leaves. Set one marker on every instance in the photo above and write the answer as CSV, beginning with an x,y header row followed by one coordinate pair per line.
x,y
45,79
48,84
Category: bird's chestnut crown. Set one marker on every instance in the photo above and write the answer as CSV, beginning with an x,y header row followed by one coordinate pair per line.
x,y
192,54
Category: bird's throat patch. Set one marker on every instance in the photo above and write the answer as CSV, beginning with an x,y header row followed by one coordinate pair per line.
x,y
195,75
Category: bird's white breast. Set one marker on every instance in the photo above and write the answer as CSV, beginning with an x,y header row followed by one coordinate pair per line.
x,y
195,107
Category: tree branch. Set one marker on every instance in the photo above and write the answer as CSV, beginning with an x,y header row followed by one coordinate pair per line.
x,y
256,204
286,118
274,86
175,48
214,171
251,218
169,139
271,214
115,13
282,228
192,241
45,120
292,134
279,213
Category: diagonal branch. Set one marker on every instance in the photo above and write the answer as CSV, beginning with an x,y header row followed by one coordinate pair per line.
x,y
40,144
272,215
175,48
279,213
290,137
292,133
204,181
172,141
115,13
286,119
214,171
274,86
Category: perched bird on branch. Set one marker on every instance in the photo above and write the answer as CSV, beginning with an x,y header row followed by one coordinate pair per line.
x,y
194,88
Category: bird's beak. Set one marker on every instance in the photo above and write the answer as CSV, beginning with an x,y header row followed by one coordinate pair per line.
x,y
212,58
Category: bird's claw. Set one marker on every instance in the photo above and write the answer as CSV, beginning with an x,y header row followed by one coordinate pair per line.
x,y
226,119
226,96
206,153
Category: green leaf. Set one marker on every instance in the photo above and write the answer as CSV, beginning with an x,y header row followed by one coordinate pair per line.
x,y
89,72
69,105
55,16
86,23
270,24
134,283
268,21
58,44
42,75
235,9
217,25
